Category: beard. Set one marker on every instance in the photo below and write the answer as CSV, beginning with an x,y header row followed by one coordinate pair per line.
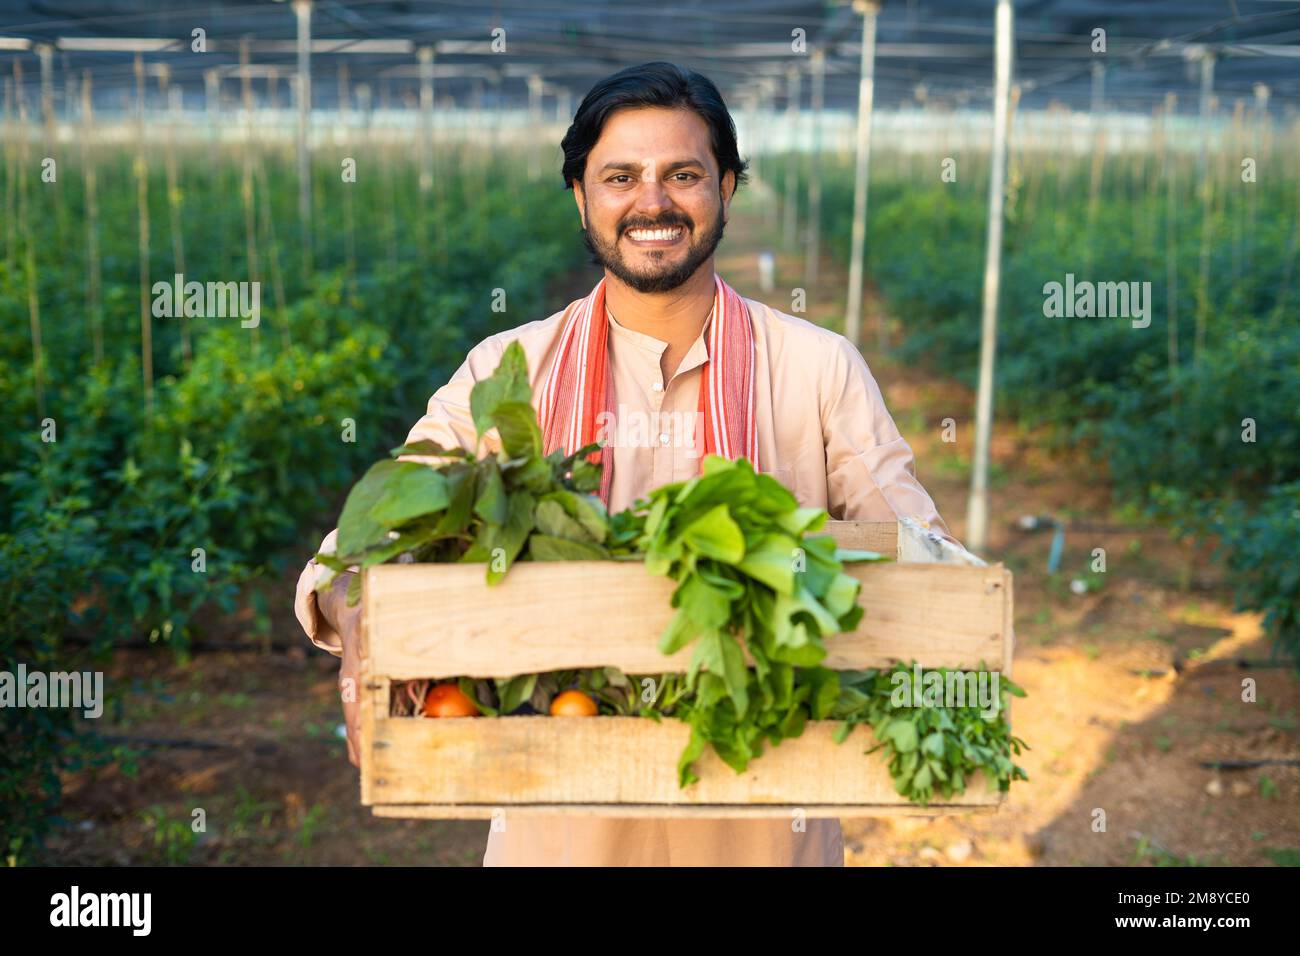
x,y
657,275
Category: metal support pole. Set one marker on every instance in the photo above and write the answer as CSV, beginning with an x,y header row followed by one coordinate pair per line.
x,y
425,56
364,105
794,90
815,172
302,9
211,96
534,119
46,53
866,91
765,106
977,512
1206,108
1207,81
749,138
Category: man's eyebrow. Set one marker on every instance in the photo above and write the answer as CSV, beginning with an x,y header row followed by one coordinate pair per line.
x,y
637,167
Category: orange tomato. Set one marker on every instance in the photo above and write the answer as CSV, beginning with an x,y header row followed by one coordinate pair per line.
x,y
446,700
573,703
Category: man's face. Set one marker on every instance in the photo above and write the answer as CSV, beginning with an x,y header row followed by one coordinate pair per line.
x,y
653,206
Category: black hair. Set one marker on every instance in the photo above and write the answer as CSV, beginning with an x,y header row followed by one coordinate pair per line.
x,y
651,84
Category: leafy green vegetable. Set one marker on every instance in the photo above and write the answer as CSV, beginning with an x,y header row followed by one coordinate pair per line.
x,y
492,509
750,585
930,748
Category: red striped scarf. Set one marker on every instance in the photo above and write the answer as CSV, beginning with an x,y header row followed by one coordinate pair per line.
x,y
580,383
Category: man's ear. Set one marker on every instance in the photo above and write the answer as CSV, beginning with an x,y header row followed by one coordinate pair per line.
x,y
579,197
728,190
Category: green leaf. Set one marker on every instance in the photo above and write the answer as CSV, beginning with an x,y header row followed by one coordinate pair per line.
x,y
902,734
842,595
554,520
848,555
802,520
715,535
826,692
354,590
510,538
389,494
774,498
737,676
707,656
592,516
772,562
509,383
413,492
680,631
543,547
516,423
686,762
514,691
460,485
431,449
586,477
532,473
708,607
492,505
471,689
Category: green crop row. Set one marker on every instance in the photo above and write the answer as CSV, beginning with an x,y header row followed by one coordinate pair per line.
x,y
1193,417
124,517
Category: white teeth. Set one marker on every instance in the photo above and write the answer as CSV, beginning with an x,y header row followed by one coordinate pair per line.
x,y
646,235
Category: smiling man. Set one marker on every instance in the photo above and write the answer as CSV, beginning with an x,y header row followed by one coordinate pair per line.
x,y
664,342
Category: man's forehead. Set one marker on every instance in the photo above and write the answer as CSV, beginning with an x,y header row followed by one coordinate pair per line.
x,y
652,137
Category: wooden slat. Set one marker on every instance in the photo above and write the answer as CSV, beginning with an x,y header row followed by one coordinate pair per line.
x,y
618,760
451,811
880,536
444,621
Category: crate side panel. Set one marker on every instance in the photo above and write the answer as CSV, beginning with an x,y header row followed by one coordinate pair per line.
x,y
465,811
616,760
435,621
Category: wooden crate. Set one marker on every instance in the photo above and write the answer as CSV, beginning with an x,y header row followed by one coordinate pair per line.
x,y
936,604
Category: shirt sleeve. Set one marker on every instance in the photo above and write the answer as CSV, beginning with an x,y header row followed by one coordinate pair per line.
x,y
870,471
448,422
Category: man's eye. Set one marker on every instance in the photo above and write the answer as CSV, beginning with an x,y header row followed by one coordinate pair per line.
x,y
689,175
620,176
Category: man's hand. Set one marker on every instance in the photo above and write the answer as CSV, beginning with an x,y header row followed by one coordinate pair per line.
x,y
346,621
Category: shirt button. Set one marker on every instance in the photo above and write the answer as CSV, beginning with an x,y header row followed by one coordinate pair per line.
x,y
663,439
658,386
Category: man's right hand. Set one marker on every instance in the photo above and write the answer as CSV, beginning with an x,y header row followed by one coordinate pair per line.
x,y
346,621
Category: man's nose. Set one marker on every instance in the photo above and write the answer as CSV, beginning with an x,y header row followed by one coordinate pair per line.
x,y
651,197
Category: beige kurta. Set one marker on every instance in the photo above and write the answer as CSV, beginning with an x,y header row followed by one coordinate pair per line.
x,y
823,431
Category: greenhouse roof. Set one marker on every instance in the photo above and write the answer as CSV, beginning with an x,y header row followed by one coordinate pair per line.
x,y
928,51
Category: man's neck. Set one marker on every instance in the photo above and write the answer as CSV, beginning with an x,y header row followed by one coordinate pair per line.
x,y
675,317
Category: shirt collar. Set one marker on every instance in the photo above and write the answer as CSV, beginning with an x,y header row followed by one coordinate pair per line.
x,y
695,356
